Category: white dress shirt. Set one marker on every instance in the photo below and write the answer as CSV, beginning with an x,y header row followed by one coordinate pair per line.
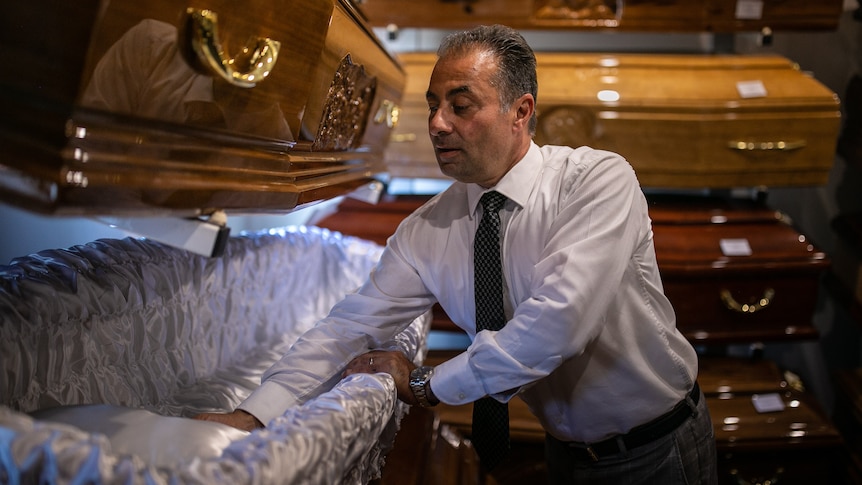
x,y
591,343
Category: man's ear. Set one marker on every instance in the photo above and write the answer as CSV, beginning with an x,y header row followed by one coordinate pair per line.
x,y
524,108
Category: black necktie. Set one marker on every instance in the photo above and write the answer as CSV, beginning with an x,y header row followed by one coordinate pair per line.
x,y
490,417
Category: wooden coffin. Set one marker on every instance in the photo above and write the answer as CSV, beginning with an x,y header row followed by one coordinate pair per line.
x,y
427,451
735,273
681,120
796,445
720,375
153,107
693,120
629,15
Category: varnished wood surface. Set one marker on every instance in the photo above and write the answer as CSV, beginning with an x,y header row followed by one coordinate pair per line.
x,y
696,271
702,209
259,150
677,114
668,16
678,118
375,222
802,423
696,249
722,375
798,445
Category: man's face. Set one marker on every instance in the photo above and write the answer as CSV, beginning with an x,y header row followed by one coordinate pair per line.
x,y
474,140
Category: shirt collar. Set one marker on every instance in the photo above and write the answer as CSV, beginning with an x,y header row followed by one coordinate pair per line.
x,y
516,185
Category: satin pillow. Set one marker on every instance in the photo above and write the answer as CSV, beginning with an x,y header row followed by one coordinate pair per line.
x,y
162,441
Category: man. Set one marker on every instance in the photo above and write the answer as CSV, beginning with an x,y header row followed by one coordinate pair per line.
x,y
589,340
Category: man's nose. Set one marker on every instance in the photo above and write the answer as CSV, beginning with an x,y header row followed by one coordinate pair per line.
x,y
437,123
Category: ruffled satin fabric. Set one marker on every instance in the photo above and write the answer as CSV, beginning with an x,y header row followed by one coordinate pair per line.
x,y
143,326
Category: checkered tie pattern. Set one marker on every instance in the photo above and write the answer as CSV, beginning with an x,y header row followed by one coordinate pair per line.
x,y
490,434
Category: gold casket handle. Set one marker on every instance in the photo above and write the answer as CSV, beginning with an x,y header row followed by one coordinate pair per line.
x,y
388,113
780,145
251,66
774,480
731,304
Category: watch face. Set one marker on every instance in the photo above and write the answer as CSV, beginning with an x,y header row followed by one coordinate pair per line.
x,y
418,382
418,376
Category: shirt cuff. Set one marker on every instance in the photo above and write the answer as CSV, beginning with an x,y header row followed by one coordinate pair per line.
x,y
454,383
268,401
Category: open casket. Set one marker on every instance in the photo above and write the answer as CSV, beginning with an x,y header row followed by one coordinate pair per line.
x,y
107,349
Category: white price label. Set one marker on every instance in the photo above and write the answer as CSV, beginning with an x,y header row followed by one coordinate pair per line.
x,y
735,247
749,9
767,403
751,89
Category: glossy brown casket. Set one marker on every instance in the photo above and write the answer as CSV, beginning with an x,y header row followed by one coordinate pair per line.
x,y
665,15
797,445
739,375
153,107
736,273
682,121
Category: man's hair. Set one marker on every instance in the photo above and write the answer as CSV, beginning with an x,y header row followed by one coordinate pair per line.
x,y
516,62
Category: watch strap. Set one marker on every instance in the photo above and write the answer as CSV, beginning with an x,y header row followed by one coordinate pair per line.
x,y
419,379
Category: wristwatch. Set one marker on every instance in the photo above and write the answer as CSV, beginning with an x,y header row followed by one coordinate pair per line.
x,y
419,379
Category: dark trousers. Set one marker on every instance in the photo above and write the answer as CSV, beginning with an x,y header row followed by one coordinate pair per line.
x,y
684,456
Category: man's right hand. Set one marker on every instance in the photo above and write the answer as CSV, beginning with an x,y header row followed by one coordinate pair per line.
x,y
238,419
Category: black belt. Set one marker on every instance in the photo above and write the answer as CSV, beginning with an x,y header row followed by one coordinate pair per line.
x,y
639,435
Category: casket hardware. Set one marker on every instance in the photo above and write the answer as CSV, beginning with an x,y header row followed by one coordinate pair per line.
x,y
388,113
779,145
731,304
775,480
251,66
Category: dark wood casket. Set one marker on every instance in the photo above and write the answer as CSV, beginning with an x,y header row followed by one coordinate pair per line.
x,y
795,445
664,15
793,442
736,271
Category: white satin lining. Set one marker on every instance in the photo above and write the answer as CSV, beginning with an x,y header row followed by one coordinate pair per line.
x,y
148,328
335,438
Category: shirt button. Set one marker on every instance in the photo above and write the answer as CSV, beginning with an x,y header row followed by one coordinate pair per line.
x,y
461,395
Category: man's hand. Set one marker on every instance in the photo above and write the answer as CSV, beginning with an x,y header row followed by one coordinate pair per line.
x,y
394,363
238,419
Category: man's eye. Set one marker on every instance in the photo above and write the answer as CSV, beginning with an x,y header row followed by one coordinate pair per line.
x,y
459,108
